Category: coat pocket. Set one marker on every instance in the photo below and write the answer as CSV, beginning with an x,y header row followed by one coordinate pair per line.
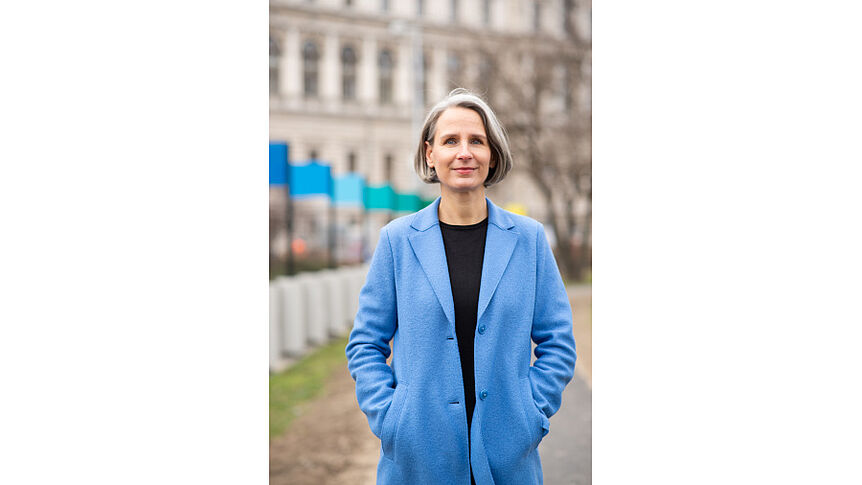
x,y
390,422
541,423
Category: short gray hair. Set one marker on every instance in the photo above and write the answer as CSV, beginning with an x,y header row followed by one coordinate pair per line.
x,y
494,131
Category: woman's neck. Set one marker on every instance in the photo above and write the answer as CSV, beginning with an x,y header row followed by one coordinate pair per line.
x,y
462,208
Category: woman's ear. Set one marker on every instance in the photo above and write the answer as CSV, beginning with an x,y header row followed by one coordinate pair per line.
x,y
428,154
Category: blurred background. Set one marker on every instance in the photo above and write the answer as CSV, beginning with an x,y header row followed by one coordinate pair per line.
x,y
350,83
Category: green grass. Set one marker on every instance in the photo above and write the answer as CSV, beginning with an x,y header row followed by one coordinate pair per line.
x,y
303,381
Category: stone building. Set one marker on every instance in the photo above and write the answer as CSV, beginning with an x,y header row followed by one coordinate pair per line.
x,y
351,80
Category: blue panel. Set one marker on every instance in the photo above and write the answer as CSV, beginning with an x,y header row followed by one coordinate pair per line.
x,y
348,190
278,163
379,198
311,179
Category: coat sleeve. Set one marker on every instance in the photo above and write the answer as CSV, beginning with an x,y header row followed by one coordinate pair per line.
x,y
368,346
552,332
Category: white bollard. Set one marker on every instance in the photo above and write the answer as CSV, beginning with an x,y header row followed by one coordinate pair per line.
x,y
351,299
335,295
355,285
326,301
294,335
347,315
276,362
315,303
359,275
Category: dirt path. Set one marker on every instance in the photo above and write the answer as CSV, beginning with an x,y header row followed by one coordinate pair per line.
x,y
331,444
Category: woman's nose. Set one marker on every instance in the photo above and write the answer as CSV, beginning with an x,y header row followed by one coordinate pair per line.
x,y
464,151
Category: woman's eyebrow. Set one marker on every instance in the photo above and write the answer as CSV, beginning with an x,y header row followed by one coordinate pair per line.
x,y
474,135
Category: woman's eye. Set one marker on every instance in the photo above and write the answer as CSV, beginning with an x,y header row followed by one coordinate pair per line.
x,y
449,141
477,141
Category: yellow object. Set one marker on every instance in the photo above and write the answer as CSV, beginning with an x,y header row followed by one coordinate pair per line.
x,y
516,208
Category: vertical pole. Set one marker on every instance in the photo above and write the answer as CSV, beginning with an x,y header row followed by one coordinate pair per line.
x,y
363,226
418,107
331,231
363,233
290,265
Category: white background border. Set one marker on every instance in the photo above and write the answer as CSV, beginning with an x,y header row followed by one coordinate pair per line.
x,y
133,204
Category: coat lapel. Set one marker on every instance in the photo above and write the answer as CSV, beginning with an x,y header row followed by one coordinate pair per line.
x,y
499,245
427,244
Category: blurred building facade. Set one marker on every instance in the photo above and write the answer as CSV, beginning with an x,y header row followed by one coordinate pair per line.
x,y
351,80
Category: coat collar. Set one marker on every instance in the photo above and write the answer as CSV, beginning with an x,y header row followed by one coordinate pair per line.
x,y
427,217
427,244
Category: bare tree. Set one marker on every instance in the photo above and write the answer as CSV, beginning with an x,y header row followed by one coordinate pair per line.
x,y
540,88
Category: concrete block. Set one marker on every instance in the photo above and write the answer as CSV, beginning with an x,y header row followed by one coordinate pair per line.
x,y
335,295
276,362
294,335
314,296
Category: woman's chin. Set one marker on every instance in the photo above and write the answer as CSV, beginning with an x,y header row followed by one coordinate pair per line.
x,y
464,188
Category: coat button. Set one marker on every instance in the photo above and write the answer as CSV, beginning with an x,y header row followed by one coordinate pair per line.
x,y
483,394
481,329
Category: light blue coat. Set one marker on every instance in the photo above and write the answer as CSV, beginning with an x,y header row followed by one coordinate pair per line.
x,y
416,405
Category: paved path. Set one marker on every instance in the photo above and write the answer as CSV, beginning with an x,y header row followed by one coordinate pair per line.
x,y
567,450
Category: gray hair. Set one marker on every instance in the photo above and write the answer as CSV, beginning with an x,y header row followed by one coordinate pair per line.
x,y
494,131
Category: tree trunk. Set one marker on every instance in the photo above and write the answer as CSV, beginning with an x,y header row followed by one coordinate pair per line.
x,y
575,270
586,243
565,253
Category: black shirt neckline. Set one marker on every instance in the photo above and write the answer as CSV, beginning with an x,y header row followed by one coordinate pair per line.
x,y
468,226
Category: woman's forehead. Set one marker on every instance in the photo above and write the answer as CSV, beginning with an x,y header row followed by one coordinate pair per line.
x,y
457,118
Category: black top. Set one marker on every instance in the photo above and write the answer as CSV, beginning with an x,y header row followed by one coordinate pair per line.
x,y
465,250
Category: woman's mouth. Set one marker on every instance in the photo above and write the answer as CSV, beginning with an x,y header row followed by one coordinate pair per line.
x,y
464,171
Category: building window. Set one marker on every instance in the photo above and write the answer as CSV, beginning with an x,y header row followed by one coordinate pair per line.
x,y
426,69
485,75
387,168
310,58
453,69
348,73
351,162
274,58
384,5
486,11
537,15
348,3
420,8
568,21
453,11
386,67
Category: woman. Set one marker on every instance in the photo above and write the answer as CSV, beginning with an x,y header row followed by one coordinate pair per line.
x,y
460,288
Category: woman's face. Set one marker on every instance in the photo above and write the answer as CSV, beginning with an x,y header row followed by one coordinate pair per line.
x,y
460,152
